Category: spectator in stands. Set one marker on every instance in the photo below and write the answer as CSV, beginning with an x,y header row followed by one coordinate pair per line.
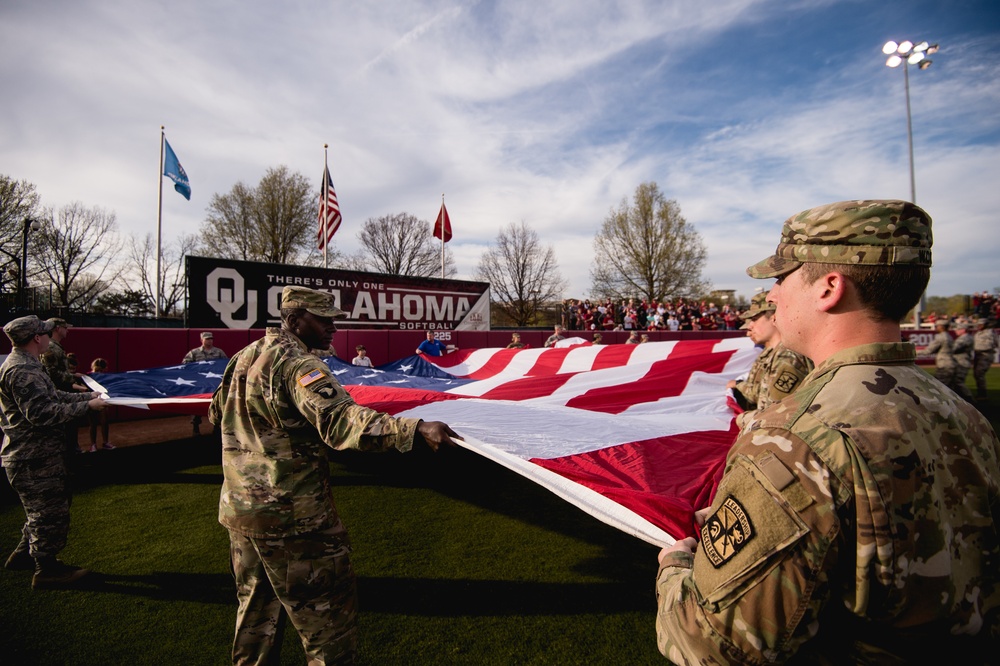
x,y
99,419
515,341
361,360
206,352
556,336
432,346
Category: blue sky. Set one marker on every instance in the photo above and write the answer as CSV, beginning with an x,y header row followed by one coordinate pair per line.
x,y
744,111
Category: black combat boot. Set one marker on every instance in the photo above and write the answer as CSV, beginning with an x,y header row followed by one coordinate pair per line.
x,y
50,573
20,559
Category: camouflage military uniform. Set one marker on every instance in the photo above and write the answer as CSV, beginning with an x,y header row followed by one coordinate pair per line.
x,y
197,355
34,416
944,362
280,409
802,539
961,351
774,375
55,364
985,348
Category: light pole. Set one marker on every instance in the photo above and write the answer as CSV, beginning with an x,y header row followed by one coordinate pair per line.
x,y
907,53
29,224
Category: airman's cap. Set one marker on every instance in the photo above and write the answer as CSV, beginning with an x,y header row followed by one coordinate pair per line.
x,y
22,329
319,303
59,321
758,305
874,232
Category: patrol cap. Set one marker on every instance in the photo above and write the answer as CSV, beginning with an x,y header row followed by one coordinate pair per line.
x,y
758,305
319,303
884,232
59,321
22,329
207,334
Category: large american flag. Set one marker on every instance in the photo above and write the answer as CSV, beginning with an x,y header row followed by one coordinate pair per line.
x,y
636,435
329,211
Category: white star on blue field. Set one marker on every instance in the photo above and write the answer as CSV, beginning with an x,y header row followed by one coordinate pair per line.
x,y
744,111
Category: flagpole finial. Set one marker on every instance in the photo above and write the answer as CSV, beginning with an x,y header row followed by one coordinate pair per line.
x,y
162,128
325,146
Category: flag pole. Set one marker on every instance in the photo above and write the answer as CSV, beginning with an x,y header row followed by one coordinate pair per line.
x,y
442,235
323,195
159,227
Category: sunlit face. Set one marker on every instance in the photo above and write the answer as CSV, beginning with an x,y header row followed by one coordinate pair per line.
x,y
792,297
762,329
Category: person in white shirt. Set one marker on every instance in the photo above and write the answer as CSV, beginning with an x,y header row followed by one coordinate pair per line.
x,y
362,358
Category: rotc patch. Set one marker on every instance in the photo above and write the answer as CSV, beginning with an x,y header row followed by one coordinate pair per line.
x,y
309,378
726,532
786,382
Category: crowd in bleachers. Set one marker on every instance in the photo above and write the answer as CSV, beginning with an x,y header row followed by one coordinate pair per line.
x,y
982,306
639,315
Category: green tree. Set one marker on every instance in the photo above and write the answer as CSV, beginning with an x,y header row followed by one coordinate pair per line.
x,y
523,274
400,244
647,249
274,222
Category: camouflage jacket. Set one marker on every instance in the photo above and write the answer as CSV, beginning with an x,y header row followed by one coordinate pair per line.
x,y
775,374
54,360
856,515
280,408
34,410
941,347
962,350
985,340
200,354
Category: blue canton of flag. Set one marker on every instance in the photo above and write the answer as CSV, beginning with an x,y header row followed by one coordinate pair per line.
x,y
173,170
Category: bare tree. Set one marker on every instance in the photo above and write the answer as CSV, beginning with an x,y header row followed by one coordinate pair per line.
x,y
142,267
76,252
523,275
273,222
400,244
647,249
18,202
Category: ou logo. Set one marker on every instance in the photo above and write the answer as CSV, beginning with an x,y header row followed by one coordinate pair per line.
x,y
227,294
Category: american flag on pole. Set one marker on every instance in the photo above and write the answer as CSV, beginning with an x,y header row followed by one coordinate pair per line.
x,y
635,435
329,210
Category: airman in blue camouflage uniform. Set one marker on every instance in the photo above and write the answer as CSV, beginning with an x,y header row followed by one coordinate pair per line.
x,y
855,521
280,411
985,350
34,414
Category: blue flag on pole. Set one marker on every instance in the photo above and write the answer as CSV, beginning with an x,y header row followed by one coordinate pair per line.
x,y
173,170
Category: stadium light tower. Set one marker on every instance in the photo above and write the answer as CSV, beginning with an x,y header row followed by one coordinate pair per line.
x,y
907,53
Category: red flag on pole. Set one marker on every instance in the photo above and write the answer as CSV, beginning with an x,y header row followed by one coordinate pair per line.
x,y
442,227
329,211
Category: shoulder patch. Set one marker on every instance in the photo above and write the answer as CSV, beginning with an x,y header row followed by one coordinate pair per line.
x,y
726,532
786,382
310,377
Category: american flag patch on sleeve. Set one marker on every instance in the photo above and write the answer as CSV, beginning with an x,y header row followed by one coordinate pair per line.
x,y
309,378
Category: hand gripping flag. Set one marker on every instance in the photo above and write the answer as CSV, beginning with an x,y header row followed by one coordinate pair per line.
x,y
636,435
329,211
442,226
173,170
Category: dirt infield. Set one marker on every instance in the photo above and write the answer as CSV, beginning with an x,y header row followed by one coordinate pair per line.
x,y
123,434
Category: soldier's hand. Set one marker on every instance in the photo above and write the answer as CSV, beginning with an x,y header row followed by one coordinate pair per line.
x,y
436,434
97,404
686,545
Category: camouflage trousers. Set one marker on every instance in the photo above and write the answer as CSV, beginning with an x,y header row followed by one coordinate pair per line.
x,y
42,484
958,382
980,366
945,374
311,578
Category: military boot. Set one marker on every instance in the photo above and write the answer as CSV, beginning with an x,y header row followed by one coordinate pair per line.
x,y
50,573
20,559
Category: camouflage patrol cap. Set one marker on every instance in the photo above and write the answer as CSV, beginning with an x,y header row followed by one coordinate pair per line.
x,y
319,303
22,329
59,321
873,232
758,305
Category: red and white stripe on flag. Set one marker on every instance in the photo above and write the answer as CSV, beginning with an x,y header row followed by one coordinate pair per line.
x,y
329,211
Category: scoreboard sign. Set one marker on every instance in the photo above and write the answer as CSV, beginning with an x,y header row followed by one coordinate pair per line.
x,y
226,293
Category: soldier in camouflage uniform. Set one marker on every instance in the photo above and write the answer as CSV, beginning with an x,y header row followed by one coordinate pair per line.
x,y
206,352
281,410
856,519
961,351
985,350
56,363
777,371
940,346
34,413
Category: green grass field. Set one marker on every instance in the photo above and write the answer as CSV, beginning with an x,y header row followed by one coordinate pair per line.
x,y
459,561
